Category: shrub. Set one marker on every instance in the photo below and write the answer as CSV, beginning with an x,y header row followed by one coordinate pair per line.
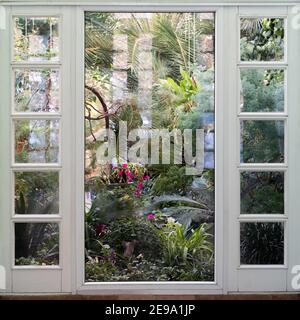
x,y
129,229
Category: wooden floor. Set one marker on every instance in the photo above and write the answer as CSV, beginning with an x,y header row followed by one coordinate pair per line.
x,y
157,297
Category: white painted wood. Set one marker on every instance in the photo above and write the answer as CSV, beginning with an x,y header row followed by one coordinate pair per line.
x,y
293,92
264,277
79,152
49,278
133,3
259,280
231,176
36,281
5,254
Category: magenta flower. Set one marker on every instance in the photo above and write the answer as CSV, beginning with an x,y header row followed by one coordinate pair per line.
x,y
146,178
120,173
140,186
150,216
124,165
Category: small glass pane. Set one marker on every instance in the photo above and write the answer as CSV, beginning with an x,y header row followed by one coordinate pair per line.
x,y
262,141
36,244
262,39
262,192
37,90
262,90
36,192
36,39
36,141
262,243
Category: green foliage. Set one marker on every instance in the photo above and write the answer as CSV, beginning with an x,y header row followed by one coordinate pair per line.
x,y
184,89
262,90
262,192
174,180
262,243
141,269
36,243
134,229
36,193
261,141
265,42
180,248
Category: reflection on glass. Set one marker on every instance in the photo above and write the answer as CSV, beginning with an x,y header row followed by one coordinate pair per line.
x,y
262,192
36,192
36,141
36,39
262,141
36,244
262,90
262,243
36,90
149,216
262,39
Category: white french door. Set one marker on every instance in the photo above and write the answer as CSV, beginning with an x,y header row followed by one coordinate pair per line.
x,y
37,173
261,231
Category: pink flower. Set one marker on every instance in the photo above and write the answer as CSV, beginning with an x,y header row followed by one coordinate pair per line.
x,y
140,186
124,165
129,174
120,173
150,216
137,193
146,178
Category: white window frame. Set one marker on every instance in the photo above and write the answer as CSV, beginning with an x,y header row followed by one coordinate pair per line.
x,y
228,276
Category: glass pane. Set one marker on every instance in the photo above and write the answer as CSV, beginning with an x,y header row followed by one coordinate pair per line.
x,y
262,192
262,141
36,141
36,39
262,39
37,90
36,244
262,90
149,207
36,192
262,243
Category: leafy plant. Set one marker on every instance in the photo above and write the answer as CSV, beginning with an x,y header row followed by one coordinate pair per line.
x,y
184,89
180,247
262,243
263,41
137,230
174,180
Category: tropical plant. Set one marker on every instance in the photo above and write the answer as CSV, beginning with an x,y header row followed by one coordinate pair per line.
x,y
262,39
180,247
